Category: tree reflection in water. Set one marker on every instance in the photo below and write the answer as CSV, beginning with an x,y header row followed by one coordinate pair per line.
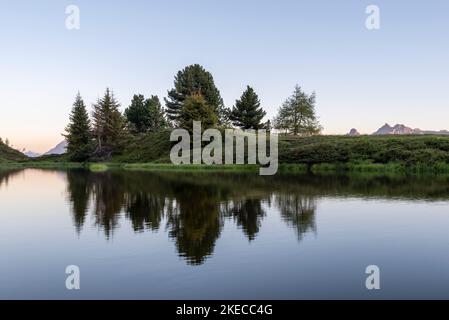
x,y
191,207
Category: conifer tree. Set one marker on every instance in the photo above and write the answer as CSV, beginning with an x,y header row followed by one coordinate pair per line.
x,y
108,125
190,81
195,108
78,132
156,115
297,115
145,115
137,114
247,112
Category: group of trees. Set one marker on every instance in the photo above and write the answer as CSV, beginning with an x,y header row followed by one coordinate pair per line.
x,y
145,114
193,98
97,137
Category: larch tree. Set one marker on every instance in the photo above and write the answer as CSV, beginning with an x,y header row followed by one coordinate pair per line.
x,y
297,115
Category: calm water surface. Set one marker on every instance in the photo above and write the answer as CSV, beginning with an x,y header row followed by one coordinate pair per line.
x,y
170,235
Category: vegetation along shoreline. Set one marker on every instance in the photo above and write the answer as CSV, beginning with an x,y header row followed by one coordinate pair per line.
x,y
139,138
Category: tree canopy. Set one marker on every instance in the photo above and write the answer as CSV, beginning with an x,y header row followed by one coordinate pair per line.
x,y
145,115
297,115
136,114
78,132
108,124
193,80
247,112
195,108
156,114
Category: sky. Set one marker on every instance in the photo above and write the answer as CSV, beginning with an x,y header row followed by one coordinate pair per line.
x,y
362,78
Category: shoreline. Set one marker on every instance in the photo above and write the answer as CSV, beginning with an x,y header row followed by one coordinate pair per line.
x,y
344,168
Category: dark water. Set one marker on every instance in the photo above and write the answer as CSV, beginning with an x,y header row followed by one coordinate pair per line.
x,y
239,236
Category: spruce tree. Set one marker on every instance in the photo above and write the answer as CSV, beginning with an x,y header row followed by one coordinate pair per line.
x,y
190,81
297,115
247,112
108,125
78,133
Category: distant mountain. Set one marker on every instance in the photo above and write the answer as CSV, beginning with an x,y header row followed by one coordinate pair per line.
x,y
353,132
31,154
60,148
400,129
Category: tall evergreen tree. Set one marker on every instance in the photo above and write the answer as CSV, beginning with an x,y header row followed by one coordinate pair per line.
x,y
108,124
137,114
247,112
78,132
156,115
297,115
145,115
190,81
195,108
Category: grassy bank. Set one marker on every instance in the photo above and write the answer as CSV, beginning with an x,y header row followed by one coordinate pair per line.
x,y
283,168
352,168
419,150
381,154
41,165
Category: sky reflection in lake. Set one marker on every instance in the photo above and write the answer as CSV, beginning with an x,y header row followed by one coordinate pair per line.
x,y
194,235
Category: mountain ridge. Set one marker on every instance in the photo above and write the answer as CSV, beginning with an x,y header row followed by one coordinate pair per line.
x,y
60,148
401,129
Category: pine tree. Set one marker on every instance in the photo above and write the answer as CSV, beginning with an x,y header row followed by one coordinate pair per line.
x,y
195,108
78,133
190,81
247,112
108,125
156,115
297,114
145,115
137,114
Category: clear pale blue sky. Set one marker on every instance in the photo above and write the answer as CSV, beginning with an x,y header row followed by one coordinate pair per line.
x,y
398,74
